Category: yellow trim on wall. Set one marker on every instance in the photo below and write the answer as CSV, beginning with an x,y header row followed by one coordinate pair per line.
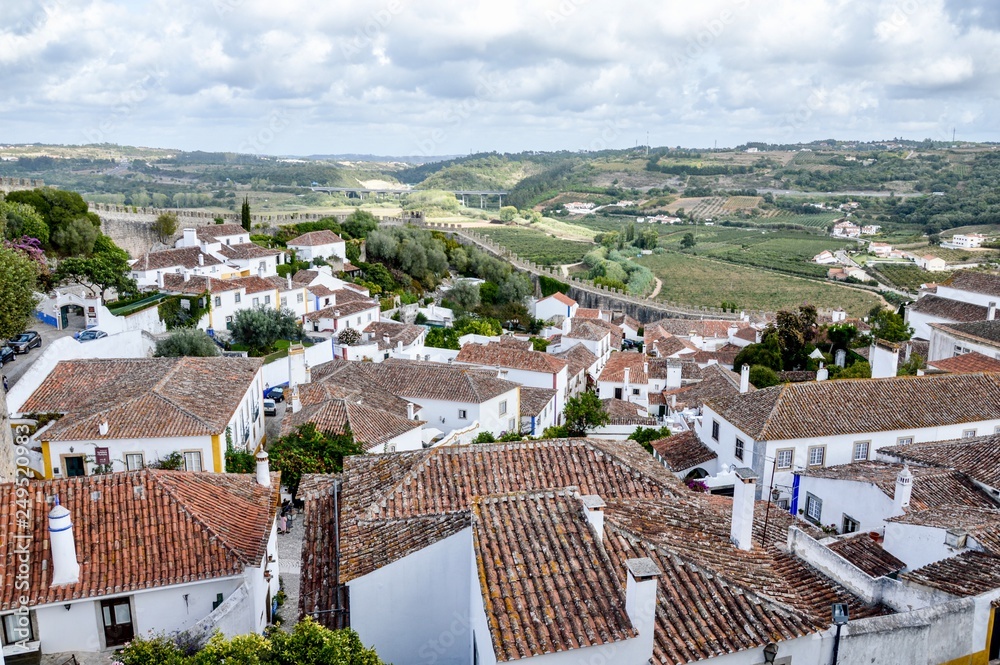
x,y
979,658
217,453
47,459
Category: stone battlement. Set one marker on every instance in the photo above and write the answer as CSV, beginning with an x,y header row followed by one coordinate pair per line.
x,y
18,184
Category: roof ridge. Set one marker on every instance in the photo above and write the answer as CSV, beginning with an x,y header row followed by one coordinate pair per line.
x,y
761,433
380,503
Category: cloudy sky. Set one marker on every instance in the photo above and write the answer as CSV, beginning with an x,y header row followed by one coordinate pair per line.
x,y
431,77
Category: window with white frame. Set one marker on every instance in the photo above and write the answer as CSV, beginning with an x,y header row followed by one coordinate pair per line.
x,y
18,628
218,301
814,508
850,525
715,430
299,298
463,414
267,300
284,301
192,460
861,450
904,440
503,407
738,449
262,266
134,461
968,433
784,458
961,350
817,455
237,297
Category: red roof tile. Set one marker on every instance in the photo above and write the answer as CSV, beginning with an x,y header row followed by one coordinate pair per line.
x,y
868,555
509,356
682,451
315,238
967,363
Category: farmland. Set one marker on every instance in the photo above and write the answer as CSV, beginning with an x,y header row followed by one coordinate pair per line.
x,y
907,276
537,246
699,281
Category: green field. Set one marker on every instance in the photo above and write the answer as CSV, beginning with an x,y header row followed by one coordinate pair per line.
x,y
908,276
537,246
694,280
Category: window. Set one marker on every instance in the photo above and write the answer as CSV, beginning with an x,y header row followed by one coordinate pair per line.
x,y
503,407
510,425
237,297
968,433
17,628
256,302
390,447
814,508
715,430
218,301
738,450
298,298
904,440
817,455
784,458
961,350
861,451
463,414
134,461
267,300
284,301
262,266
192,460
783,504
635,391
850,525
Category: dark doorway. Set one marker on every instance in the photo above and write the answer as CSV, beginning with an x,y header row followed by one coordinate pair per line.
x,y
117,615
618,393
75,466
995,637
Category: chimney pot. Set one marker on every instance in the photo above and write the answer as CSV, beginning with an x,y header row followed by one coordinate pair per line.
x,y
296,402
103,428
593,510
904,487
992,314
410,411
744,495
745,378
263,469
201,259
65,567
640,601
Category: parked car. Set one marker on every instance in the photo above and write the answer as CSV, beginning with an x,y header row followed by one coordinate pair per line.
x,y
6,355
270,408
25,342
89,335
276,393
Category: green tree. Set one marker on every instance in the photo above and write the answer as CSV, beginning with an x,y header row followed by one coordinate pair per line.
x,y
442,338
688,241
508,214
107,268
359,224
484,437
465,295
165,226
471,326
841,336
21,219
763,377
186,342
795,332
75,238
308,450
646,435
584,412
910,367
245,213
859,370
258,328
18,279
765,354
890,326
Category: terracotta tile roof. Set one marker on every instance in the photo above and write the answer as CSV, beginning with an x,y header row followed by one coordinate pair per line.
x,y
396,332
945,308
315,238
932,487
868,555
212,232
247,250
977,282
749,334
968,574
142,397
561,297
982,331
579,358
717,385
967,363
345,309
625,413
855,406
586,329
983,524
683,451
304,277
355,387
142,530
547,582
533,400
978,457
796,376
515,342
587,313
703,327
372,427
724,355
618,361
255,284
169,258
320,290
667,345
622,320
197,284
509,356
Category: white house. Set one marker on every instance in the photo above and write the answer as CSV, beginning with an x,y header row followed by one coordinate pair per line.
x,y
341,309
817,424
633,377
967,240
957,339
972,286
252,259
870,229
595,337
538,410
558,304
931,308
148,268
318,245
846,229
580,370
931,263
127,554
826,257
529,368
880,249
124,414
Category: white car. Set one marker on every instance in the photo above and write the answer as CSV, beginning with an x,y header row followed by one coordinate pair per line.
x,y
90,335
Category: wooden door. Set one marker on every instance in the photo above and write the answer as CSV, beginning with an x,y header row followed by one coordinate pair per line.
x,y
117,615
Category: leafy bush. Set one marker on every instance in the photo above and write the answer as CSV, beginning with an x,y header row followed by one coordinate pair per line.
x,y
186,342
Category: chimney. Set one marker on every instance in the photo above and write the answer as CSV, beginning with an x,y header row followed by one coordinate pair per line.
x,y
733,329
296,402
65,567
297,364
399,347
201,259
884,359
744,495
593,510
387,340
159,279
263,469
103,428
992,312
288,281
673,375
628,373
410,411
745,378
260,271
904,487
645,369
640,601
190,238
822,374
187,276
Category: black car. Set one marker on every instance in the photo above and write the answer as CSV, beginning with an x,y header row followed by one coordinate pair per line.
x,y
6,355
25,342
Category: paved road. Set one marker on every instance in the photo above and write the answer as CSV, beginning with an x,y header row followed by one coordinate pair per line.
x,y
14,370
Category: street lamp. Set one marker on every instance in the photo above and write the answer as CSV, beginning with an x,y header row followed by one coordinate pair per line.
x,y
841,615
770,652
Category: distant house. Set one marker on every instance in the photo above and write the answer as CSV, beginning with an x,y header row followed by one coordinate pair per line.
x,y
956,339
354,313
931,263
149,269
318,245
932,308
825,257
524,366
846,229
558,304
967,240
880,249
870,229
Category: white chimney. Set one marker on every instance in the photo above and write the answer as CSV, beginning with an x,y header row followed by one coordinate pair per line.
x,y
593,510
288,281
628,375
838,315
992,312
386,340
904,487
840,358
731,333
187,276
263,469
190,238
260,271
297,364
645,369
296,402
884,358
744,495
201,259
822,374
745,378
673,375
410,411
640,602
159,279
65,567
103,428
698,340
